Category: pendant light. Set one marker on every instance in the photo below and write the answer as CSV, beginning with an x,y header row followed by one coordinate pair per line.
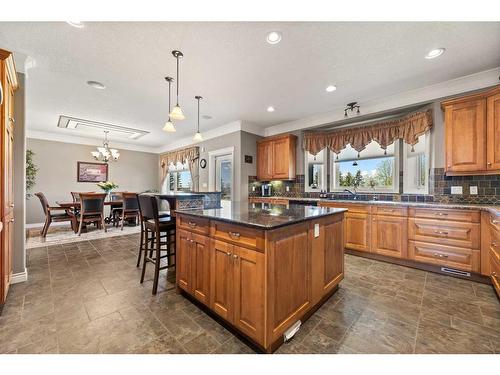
x,y
169,125
176,113
197,137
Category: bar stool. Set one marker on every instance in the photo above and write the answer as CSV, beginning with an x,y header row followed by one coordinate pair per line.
x,y
156,232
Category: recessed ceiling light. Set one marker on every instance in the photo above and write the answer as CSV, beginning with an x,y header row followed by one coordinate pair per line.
x,y
77,24
96,85
331,88
435,53
207,117
273,37
270,109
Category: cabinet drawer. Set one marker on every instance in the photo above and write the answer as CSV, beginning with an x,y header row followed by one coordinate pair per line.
x,y
463,259
445,214
193,224
459,234
361,208
281,201
259,200
239,235
495,222
389,210
495,271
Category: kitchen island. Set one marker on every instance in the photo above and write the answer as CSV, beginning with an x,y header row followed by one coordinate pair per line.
x,y
260,268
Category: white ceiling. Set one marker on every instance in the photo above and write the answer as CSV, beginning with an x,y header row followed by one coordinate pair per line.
x,y
233,68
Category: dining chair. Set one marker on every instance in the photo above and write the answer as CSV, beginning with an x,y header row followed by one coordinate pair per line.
x,y
91,210
156,232
129,209
51,214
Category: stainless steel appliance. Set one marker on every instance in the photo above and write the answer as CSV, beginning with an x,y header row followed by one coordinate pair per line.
x,y
266,190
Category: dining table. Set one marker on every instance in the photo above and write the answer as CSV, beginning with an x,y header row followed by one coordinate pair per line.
x,y
75,206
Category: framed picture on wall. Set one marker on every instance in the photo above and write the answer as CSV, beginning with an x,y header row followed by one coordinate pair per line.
x,y
92,172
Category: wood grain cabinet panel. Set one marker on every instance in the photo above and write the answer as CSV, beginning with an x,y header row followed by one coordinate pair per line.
x,y
276,158
495,271
200,268
238,235
248,285
265,160
182,259
389,235
453,257
471,216
465,136
493,132
221,279
357,231
466,235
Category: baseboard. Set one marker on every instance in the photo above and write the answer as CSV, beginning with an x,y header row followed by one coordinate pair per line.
x,y
53,224
19,277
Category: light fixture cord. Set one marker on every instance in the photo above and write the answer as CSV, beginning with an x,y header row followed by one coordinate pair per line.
x,y
177,58
198,115
169,86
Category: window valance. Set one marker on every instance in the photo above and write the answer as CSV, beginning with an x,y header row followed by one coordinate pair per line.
x,y
173,157
407,128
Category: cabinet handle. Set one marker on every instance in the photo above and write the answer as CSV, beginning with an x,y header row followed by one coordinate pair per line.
x,y
191,223
437,255
234,234
235,256
12,220
494,222
11,119
441,214
12,205
191,241
493,273
441,232
488,163
494,244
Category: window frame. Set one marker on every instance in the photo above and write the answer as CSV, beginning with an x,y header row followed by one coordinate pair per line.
x,y
406,148
173,171
324,176
396,168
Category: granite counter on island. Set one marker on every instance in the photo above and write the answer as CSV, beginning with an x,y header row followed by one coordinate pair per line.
x,y
261,268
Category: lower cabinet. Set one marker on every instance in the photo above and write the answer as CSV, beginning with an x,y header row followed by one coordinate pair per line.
x,y
357,231
495,270
389,235
238,276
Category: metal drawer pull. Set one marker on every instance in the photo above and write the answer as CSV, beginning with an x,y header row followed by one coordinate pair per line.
x,y
389,210
192,223
494,244
12,120
441,232
437,255
235,256
191,241
494,222
441,214
493,273
234,234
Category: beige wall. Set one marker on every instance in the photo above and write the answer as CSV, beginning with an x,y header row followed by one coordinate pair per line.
x,y
57,166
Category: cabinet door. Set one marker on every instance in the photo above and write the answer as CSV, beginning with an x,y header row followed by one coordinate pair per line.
x,y
334,255
182,259
221,278
6,257
248,289
357,231
281,158
493,132
389,235
265,161
465,136
200,268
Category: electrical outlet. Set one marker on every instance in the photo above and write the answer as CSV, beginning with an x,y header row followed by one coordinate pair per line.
x,y
253,188
473,190
204,185
316,230
456,190
288,188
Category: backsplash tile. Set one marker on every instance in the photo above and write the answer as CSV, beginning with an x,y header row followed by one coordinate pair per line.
x,y
440,189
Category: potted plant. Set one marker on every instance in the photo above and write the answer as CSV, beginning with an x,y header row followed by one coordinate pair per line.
x,y
107,186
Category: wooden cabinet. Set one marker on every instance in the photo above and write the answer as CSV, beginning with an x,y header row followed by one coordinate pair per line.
x,y
389,235
193,264
269,200
493,251
443,255
8,81
276,158
472,125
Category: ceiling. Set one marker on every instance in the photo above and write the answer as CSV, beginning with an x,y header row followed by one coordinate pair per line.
x,y
232,66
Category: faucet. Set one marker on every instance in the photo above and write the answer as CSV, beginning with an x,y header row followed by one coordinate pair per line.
x,y
355,195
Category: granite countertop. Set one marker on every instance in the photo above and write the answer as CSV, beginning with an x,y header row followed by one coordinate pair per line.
x,y
490,208
263,216
179,194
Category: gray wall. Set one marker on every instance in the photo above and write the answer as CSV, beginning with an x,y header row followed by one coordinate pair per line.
x,y
248,147
19,160
57,168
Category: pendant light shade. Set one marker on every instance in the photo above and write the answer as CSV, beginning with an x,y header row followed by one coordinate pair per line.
x,y
176,113
198,137
169,125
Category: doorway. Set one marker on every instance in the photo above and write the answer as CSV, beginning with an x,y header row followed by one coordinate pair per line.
x,y
221,173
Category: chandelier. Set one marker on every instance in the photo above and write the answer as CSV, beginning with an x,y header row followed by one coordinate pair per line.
x,y
105,153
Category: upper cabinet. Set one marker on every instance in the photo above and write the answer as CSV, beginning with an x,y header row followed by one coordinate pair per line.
x,y
276,158
472,133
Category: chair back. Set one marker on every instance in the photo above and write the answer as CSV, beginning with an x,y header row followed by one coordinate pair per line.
x,y
148,207
92,203
116,196
44,202
130,202
76,195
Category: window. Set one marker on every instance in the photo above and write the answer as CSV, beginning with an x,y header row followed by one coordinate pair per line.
x,y
179,178
315,167
416,166
373,171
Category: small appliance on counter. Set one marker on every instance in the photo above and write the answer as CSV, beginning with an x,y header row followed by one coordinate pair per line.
x,y
266,190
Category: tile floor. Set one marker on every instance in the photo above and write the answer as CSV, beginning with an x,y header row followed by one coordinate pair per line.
x,y
85,297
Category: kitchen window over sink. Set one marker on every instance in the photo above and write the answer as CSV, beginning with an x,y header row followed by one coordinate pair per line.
x,y
416,166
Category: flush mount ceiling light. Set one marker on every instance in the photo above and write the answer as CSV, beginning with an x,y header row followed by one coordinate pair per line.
x,y
435,53
96,85
176,113
274,37
169,125
197,137
270,109
77,24
331,88
350,107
